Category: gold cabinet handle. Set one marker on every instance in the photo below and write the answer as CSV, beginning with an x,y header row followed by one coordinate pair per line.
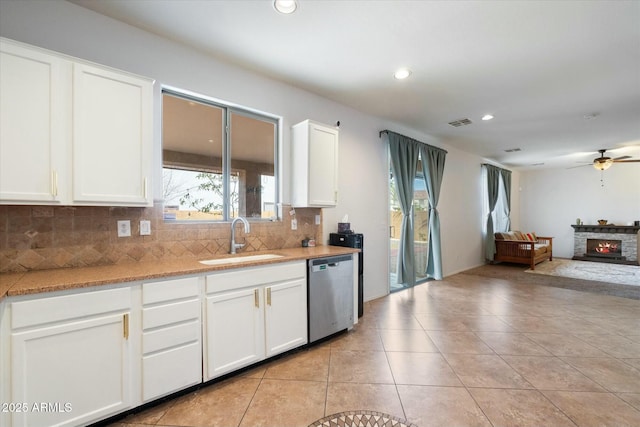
x,y
125,326
144,189
268,296
54,183
256,297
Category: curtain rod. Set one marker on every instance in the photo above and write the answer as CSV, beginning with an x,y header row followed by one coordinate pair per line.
x,y
413,139
497,167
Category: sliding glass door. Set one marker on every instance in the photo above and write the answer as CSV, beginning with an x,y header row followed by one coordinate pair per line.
x,y
420,220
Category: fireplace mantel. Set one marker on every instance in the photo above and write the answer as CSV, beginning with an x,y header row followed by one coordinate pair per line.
x,y
617,229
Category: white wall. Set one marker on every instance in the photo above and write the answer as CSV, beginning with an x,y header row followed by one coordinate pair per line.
x,y
552,200
70,29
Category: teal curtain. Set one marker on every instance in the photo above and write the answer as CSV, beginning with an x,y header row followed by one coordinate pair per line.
x,y
433,167
404,163
493,181
506,181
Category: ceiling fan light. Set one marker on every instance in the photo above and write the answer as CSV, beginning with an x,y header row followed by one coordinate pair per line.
x,y
285,6
602,164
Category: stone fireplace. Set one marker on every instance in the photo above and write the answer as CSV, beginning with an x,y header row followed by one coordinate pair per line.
x,y
606,243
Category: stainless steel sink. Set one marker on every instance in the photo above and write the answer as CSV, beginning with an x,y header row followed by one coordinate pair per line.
x,y
240,259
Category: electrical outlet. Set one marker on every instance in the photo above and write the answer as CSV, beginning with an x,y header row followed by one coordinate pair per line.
x,y
317,219
124,228
294,224
145,227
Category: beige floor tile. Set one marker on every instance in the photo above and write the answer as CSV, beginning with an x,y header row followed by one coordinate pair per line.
x,y
360,339
520,408
428,406
632,399
149,416
589,409
485,370
624,327
286,403
551,373
534,324
407,340
342,397
222,404
397,322
566,345
433,322
359,367
615,345
633,362
422,369
614,375
459,342
310,365
512,343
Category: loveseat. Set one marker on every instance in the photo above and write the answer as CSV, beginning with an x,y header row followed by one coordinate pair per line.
x,y
523,248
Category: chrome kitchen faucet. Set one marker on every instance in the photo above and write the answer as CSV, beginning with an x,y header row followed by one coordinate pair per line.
x,y
247,229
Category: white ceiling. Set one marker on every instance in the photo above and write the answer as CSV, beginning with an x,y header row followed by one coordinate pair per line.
x,y
538,66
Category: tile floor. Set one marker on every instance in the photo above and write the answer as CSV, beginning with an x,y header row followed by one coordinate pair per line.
x,y
466,351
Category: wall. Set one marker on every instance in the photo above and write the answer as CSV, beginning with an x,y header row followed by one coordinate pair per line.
x,y
552,199
363,176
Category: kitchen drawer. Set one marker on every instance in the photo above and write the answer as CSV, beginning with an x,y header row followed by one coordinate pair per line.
x,y
254,276
171,370
170,313
85,303
171,336
169,290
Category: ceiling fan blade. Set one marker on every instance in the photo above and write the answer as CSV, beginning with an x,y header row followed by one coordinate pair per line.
x,y
621,158
581,166
627,161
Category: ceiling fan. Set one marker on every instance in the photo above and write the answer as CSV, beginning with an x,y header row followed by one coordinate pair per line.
x,y
603,162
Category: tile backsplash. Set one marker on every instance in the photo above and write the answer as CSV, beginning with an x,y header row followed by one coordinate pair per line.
x,y
44,237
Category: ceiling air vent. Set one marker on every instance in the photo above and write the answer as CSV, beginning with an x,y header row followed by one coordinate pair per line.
x,y
512,150
460,122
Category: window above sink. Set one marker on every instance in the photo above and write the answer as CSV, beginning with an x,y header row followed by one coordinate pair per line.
x,y
218,161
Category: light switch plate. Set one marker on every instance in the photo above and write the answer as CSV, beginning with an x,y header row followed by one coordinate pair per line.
x,y
294,224
145,227
124,228
317,219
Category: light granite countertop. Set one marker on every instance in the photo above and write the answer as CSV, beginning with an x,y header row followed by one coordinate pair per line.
x,y
40,281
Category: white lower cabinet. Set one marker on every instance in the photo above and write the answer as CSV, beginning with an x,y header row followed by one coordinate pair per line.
x,y
171,336
70,358
253,313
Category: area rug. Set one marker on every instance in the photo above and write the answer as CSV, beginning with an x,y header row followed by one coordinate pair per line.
x,y
361,419
585,270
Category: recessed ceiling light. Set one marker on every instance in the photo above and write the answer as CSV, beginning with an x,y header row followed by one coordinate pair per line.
x,y
402,73
487,117
285,6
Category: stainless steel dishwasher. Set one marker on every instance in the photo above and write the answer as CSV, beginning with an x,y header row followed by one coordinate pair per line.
x,y
330,293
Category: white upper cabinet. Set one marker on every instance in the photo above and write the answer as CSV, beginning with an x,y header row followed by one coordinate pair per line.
x,y
72,133
112,128
34,129
314,168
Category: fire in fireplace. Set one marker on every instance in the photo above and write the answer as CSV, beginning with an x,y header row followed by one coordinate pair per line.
x,y
604,248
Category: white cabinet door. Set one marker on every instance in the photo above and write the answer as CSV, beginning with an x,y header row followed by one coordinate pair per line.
x,y
314,149
111,137
286,316
235,331
34,128
74,372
